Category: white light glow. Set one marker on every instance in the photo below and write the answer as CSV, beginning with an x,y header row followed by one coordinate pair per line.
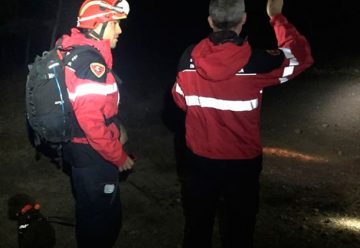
x,y
352,224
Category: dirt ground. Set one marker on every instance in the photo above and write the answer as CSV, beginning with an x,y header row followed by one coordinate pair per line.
x,y
310,194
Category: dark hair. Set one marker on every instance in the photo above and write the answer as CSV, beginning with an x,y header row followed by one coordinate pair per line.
x,y
226,14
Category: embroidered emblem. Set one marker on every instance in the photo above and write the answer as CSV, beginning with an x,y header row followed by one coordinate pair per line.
x,y
273,52
98,69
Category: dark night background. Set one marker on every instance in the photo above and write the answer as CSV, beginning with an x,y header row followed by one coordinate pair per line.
x,y
160,30
317,114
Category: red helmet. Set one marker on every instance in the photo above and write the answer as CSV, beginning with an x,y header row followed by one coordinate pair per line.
x,y
94,12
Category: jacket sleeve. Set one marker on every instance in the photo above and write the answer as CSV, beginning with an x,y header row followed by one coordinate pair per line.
x,y
178,95
296,50
104,139
89,90
185,63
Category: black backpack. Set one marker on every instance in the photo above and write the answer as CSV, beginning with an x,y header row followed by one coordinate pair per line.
x,y
49,114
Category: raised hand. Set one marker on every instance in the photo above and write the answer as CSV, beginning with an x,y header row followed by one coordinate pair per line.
x,y
274,7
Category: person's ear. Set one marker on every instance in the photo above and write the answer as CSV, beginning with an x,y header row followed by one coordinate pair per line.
x,y
244,17
211,22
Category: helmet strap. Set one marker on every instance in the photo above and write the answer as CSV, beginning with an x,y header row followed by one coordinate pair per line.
x,y
95,35
100,35
102,31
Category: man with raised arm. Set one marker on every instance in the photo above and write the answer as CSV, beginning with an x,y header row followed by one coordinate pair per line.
x,y
219,85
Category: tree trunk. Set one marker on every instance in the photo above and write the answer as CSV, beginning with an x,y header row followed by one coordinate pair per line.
x,y
56,25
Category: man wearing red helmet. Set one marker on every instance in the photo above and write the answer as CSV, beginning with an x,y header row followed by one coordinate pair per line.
x,y
96,152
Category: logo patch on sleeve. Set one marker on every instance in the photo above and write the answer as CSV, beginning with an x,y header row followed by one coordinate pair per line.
x,y
98,69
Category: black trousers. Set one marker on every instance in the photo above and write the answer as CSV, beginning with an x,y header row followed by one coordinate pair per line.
x,y
95,186
231,184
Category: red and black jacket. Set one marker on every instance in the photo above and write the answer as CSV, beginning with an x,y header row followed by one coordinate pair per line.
x,y
94,95
219,85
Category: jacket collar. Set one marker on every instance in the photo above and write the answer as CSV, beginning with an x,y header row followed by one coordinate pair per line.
x,y
222,37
